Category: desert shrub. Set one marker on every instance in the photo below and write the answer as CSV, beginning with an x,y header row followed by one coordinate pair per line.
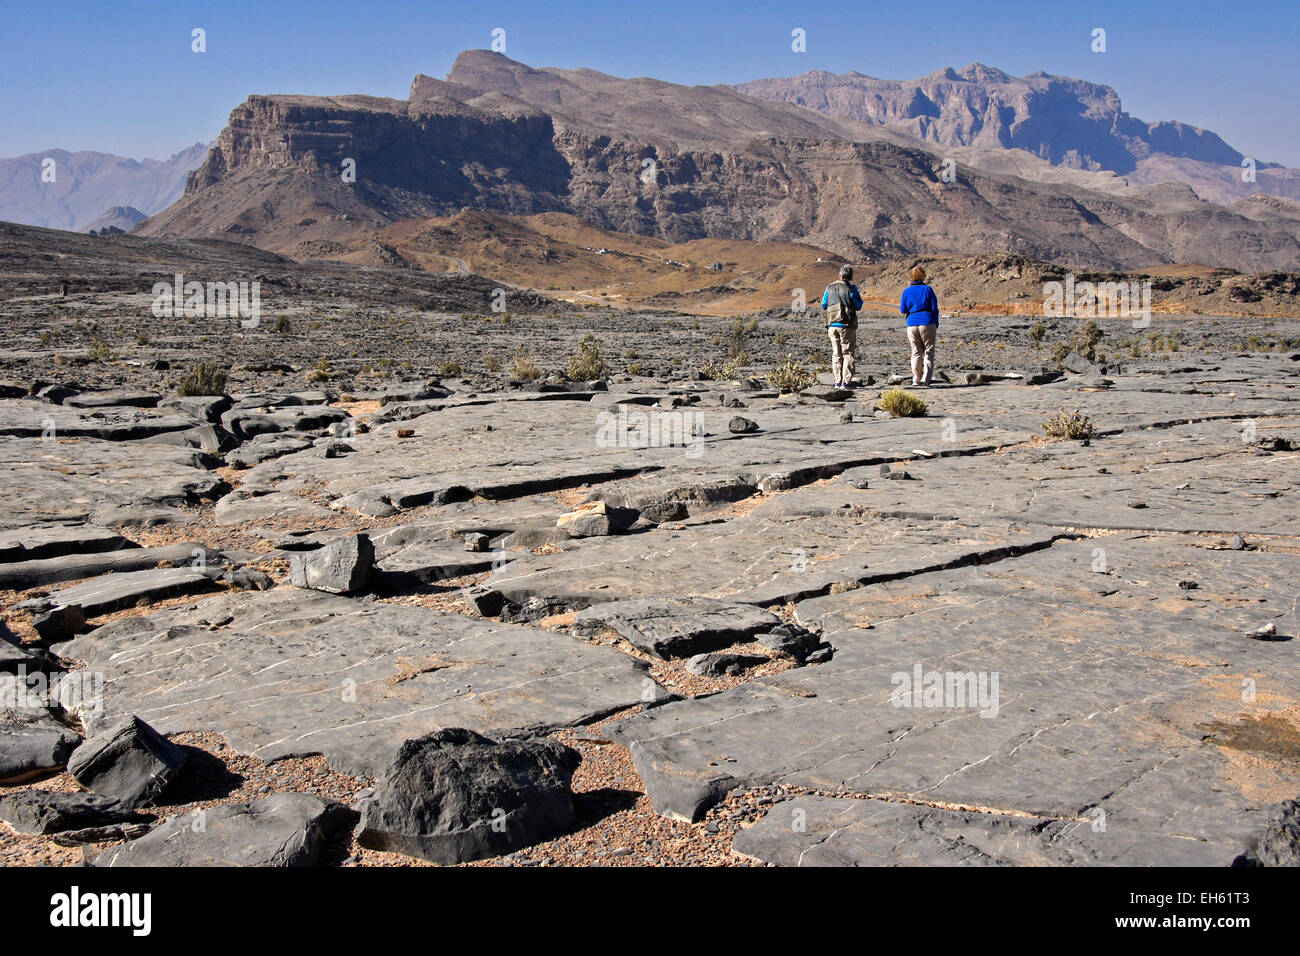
x,y
449,368
721,371
1072,425
282,324
903,403
525,368
635,369
100,351
492,363
586,363
204,379
790,376
1087,339
1038,333
737,337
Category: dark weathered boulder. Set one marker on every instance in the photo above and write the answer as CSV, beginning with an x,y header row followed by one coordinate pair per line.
x,y
1279,844
44,811
455,796
129,761
283,830
341,567
32,743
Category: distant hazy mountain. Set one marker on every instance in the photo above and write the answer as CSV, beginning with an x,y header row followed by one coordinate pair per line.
x,y
87,183
1068,122
115,220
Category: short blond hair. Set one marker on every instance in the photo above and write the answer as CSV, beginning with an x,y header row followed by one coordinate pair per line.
x,y
918,274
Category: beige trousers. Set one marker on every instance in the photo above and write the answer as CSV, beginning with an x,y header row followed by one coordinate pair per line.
x,y
843,344
922,338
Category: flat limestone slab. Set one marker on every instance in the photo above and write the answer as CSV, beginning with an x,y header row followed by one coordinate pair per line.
x,y
299,672
70,479
36,542
830,831
752,560
1117,692
68,567
112,592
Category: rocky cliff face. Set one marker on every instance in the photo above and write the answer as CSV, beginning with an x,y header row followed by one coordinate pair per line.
x,y
669,161
1068,122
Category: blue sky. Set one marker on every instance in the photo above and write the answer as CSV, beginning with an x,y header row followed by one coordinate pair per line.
x,y
120,77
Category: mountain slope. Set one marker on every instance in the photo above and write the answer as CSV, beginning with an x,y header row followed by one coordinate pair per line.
x,y
1068,122
677,163
87,183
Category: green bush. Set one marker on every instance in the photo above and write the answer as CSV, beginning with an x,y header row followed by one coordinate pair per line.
x,y
903,404
790,376
1073,426
204,380
586,363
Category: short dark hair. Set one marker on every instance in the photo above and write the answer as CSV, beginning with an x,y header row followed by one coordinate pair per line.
x,y
846,272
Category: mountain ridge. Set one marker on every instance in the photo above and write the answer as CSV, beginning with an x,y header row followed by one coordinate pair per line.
x,y
680,163
1066,121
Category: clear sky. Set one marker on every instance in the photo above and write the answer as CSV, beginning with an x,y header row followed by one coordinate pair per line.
x,y
120,76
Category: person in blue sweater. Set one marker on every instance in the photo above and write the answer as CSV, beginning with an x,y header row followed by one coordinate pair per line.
x,y
841,302
922,310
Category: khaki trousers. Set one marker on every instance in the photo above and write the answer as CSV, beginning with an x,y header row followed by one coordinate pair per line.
x,y
922,338
843,344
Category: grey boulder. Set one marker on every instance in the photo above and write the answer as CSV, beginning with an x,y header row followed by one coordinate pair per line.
x,y
342,567
283,830
455,796
30,812
129,761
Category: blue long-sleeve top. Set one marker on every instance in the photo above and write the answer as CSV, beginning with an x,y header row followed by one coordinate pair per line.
x,y
919,305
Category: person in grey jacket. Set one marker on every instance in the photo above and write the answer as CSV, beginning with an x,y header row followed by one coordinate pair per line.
x,y
841,302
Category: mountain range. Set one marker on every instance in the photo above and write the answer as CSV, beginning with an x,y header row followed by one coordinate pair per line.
x,y
970,161
1068,122
679,163
87,185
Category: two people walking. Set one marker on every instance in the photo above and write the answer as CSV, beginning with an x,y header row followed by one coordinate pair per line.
x,y
841,302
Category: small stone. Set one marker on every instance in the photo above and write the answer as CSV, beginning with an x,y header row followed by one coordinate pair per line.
x,y
717,663
476,541
248,579
742,426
